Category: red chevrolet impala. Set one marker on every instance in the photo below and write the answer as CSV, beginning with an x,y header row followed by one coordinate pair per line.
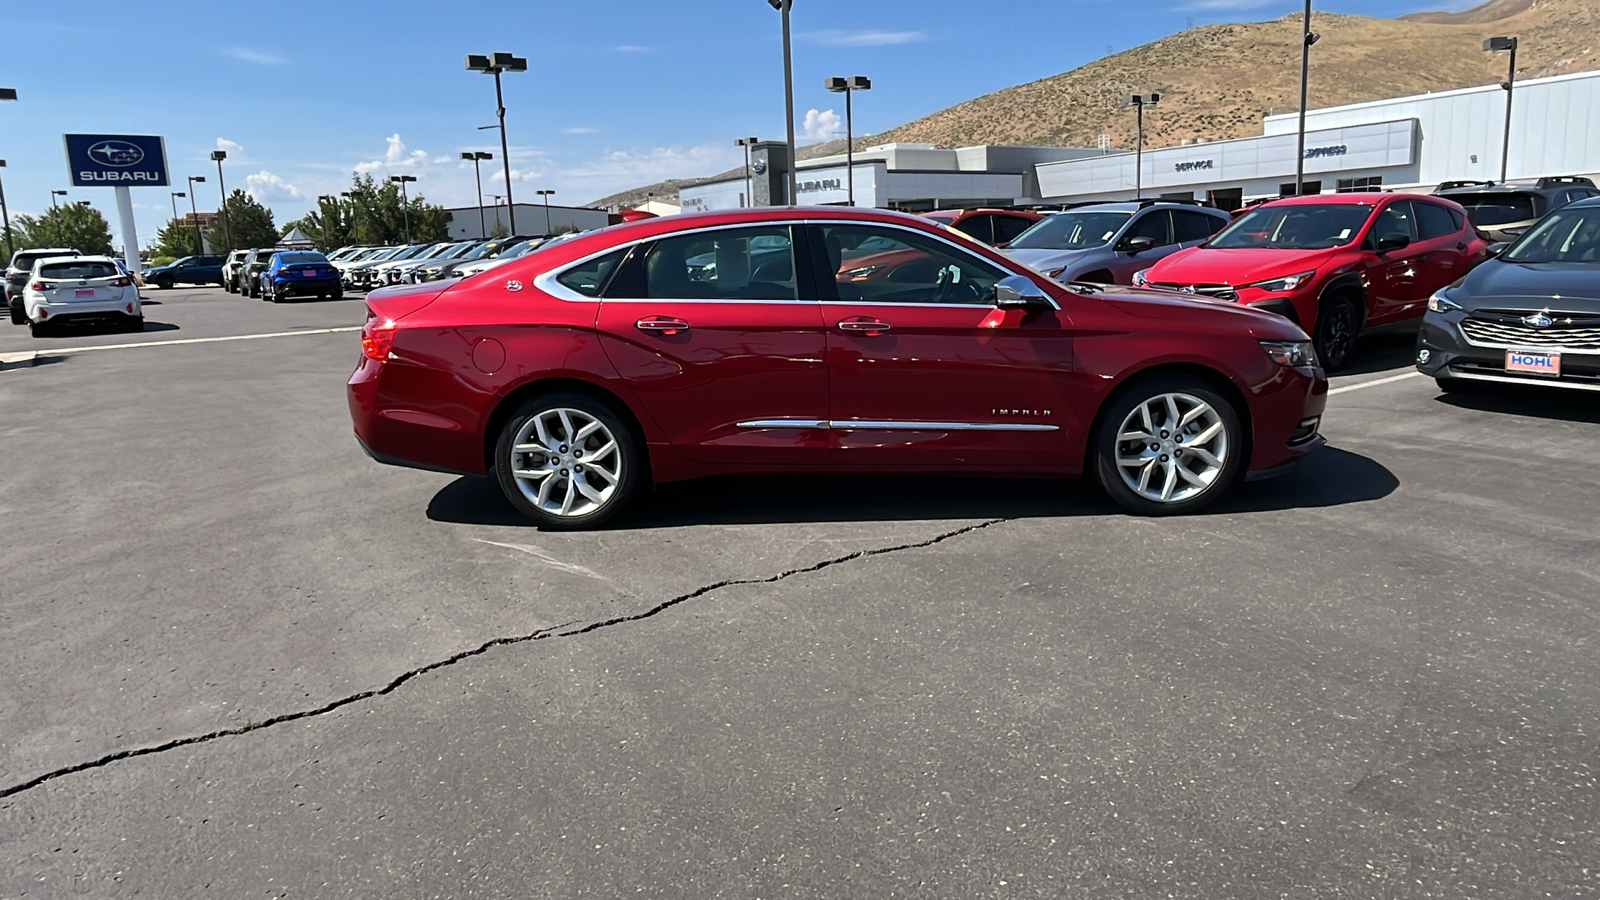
x,y
732,342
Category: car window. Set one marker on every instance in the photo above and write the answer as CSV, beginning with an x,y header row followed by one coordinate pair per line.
x,y
1491,209
1295,226
589,278
1071,231
79,270
1195,226
1006,228
1396,218
1155,224
978,228
1433,221
1566,235
302,257
727,264
916,268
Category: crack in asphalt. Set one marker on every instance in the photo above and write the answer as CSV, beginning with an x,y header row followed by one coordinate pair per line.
x,y
556,631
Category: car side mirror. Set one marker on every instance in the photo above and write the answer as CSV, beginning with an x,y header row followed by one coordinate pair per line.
x,y
1395,241
1019,292
1497,248
1139,244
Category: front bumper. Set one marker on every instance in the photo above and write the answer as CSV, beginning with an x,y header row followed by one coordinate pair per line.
x,y
1444,351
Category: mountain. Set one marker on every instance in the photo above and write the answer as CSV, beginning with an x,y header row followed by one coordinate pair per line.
x,y
1217,81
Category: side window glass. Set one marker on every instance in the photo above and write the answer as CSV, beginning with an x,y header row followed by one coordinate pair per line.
x,y
731,264
589,278
1006,228
1156,225
978,227
1395,219
1193,226
1457,218
906,267
1433,221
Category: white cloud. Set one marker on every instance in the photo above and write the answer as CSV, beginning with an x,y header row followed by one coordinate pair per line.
x,y
267,187
821,124
234,149
398,156
579,129
257,57
658,163
866,37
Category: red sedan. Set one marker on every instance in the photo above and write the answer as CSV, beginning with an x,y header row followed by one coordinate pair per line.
x,y
731,342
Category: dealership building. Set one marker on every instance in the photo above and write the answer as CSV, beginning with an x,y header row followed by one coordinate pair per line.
x,y
913,177
1405,142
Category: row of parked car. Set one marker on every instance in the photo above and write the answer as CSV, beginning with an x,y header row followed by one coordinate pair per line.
x,y
49,286
1338,265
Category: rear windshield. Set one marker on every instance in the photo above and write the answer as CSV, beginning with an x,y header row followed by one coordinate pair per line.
x,y
25,261
1498,208
301,258
79,270
1294,226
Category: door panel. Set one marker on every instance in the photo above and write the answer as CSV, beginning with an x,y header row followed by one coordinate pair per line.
x,y
727,368
1395,275
927,372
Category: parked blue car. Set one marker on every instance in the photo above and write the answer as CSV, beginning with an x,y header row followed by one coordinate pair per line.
x,y
300,273
189,270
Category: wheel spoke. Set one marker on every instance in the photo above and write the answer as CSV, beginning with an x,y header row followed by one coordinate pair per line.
x,y
586,489
544,433
1132,461
532,473
1144,417
1206,436
584,432
543,499
1206,457
566,426
1144,477
1173,416
603,452
566,502
1192,478
609,475
529,448
1193,414
1171,482
1140,436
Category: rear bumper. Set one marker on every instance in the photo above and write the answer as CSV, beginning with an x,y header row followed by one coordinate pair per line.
x,y
399,433
96,310
301,287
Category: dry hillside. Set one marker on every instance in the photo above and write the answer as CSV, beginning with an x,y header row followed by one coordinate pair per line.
x,y
1217,81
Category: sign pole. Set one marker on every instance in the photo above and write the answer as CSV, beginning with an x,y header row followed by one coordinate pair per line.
x,y
130,239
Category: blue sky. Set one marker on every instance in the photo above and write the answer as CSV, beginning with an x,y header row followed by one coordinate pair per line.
x,y
619,93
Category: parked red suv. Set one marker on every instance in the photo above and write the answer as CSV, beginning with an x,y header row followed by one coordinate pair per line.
x,y
995,227
739,342
1336,264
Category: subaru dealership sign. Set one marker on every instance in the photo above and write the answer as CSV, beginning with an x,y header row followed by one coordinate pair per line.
x,y
116,160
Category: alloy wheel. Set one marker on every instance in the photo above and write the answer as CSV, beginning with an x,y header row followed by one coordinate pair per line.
x,y
566,462
1172,447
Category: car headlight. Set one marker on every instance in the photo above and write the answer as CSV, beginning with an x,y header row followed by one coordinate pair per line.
x,y
1141,278
1440,303
1291,354
1286,283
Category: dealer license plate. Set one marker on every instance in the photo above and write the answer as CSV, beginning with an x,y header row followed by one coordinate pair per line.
x,y
83,292
1534,362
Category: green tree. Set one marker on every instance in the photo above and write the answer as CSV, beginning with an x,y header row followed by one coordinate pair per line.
x,y
249,223
75,225
372,212
176,240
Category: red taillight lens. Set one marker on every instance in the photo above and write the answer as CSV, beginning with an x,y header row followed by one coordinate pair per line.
x,y
122,282
40,286
377,336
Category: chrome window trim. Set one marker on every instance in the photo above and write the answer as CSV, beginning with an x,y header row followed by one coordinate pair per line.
x,y
894,425
547,282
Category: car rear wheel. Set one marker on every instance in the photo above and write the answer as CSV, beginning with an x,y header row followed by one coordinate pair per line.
x,y
18,317
38,329
1336,332
568,461
164,283
1167,445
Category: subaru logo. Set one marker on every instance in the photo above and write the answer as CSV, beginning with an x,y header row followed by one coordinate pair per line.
x,y
1539,320
116,153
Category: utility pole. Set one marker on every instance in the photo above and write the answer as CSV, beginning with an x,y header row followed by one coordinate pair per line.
x,y
1307,38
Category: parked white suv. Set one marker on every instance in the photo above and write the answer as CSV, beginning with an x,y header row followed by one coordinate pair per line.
x,y
17,276
80,289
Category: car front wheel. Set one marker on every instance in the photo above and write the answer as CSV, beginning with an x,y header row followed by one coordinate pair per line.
x,y
1336,332
568,461
1168,445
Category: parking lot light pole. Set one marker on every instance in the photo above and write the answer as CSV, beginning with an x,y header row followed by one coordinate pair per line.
x,y
476,156
749,192
405,203
175,196
1139,102
848,86
355,216
199,244
783,6
53,195
326,198
546,196
5,215
222,207
1495,45
494,64
1307,38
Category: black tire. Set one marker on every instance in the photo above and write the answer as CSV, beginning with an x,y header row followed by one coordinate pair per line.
x,y
38,329
1338,328
275,296
18,317
629,453
164,283
134,324
1170,447
337,295
228,286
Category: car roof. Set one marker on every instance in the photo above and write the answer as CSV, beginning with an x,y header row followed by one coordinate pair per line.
x,y
76,257
1586,203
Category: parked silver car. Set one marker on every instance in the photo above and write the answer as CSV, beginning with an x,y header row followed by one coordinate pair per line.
x,y
1106,243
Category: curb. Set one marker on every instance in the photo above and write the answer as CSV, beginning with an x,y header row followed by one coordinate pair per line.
x,y
17,360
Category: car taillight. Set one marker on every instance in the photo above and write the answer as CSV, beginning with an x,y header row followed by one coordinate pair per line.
x,y
377,336
40,286
122,282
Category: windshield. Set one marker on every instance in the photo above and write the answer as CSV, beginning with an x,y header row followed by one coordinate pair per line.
x,y
1498,208
1294,226
1071,231
515,250
1565,236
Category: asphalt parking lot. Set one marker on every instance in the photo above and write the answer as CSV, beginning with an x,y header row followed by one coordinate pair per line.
x,y
241,659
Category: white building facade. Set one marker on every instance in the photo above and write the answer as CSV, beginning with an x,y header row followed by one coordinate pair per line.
x,y
1412,142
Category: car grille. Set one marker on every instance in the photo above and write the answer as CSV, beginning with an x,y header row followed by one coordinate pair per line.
x,y
1219,291
1509,334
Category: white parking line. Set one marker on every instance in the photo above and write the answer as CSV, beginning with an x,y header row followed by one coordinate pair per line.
x,y
52,351
1374,383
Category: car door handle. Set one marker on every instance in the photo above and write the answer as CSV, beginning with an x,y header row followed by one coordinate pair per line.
x,y
864,326
662,325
